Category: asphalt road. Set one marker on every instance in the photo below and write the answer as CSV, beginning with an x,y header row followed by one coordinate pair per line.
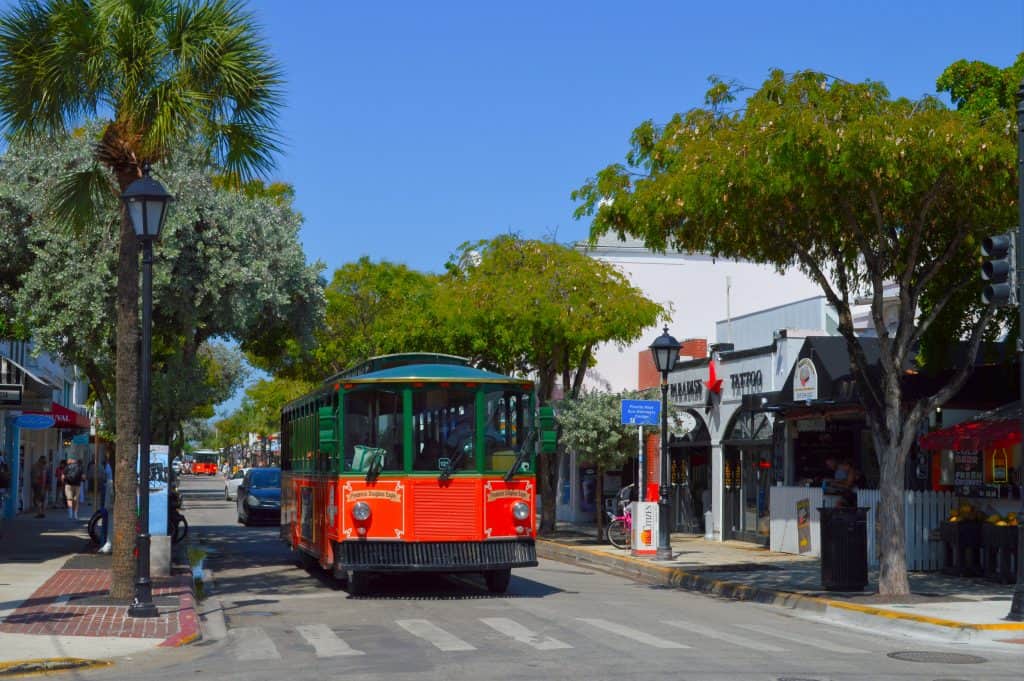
x,y
558,621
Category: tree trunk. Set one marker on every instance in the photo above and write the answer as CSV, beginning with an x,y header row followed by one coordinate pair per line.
x,y
599,503
892,444
547,479
126,401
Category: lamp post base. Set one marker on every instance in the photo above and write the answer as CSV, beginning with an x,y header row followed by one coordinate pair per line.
x,y
663,554
138,609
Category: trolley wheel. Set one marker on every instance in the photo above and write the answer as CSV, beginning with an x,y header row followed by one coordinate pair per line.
x,y
94,527
618,535
497,580
357,582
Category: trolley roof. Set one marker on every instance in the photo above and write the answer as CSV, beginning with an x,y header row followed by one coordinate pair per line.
x,y
433,373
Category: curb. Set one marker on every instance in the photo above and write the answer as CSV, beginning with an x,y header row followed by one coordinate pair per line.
x,y
211,612
627,566
49,665
187,619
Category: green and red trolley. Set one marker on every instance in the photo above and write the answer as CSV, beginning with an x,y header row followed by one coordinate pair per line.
x,y
412,462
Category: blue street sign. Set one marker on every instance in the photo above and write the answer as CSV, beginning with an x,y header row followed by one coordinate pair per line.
x,y
640,412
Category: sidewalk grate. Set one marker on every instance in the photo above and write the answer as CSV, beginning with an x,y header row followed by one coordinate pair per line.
x,y
936,658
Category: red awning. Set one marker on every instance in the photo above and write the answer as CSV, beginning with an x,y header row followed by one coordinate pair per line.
x,y
974,435
64,418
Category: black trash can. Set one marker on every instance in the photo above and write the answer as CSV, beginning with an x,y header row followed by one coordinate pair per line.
x,y
844,548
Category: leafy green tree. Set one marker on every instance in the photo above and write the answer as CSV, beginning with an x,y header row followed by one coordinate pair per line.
x,y
187,387
526,306
860,191
160,72
591,426
371,308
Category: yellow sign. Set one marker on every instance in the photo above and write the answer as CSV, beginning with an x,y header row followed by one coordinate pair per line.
x,y
508,494
375,494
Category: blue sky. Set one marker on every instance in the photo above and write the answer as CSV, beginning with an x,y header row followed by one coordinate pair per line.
x,y
412,127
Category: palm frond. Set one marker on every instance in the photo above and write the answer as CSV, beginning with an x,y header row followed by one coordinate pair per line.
x,y
83,197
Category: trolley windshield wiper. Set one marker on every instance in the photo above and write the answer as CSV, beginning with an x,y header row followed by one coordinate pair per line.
x,y
522,455
452,464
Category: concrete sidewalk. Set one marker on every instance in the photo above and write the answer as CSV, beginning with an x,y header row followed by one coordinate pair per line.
x,y
940,606
54,604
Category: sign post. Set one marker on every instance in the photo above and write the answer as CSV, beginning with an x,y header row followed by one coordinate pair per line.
x,y
642,413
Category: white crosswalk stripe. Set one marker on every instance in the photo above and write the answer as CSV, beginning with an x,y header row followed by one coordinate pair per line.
x,y
708,632
325,642
632,634
252,643
441,639
804,640
520,633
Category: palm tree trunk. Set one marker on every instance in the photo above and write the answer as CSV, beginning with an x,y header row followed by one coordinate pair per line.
x,y
126,401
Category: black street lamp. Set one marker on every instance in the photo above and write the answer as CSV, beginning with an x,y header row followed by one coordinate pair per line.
x,y
666,352
146,201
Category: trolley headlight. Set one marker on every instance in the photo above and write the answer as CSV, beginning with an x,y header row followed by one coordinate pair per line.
x,y
361,511
520,510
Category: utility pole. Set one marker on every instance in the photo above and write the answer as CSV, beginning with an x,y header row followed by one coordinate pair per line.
x,y
1017,608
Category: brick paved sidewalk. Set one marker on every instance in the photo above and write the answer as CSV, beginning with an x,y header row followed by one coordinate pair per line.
x,y
74,602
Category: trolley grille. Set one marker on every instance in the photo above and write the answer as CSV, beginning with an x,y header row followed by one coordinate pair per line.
x,y
449,556
434,509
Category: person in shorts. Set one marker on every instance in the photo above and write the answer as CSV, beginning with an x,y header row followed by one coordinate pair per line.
x,y
73,475
38,478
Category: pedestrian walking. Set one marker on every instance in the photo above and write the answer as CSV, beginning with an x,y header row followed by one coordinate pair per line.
x,y
38,481
58,497
73,475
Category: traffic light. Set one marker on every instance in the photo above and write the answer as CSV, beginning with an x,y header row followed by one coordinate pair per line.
x,y
548,431
998,270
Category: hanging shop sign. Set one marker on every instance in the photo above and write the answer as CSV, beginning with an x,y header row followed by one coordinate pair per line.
x,y
34,422
805,381
10,394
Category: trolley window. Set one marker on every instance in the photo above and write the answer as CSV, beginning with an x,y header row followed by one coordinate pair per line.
x,y
444,429
373,430
508,422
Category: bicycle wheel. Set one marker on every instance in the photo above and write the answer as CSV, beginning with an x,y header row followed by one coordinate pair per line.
x,y
618,535
94,527
179,528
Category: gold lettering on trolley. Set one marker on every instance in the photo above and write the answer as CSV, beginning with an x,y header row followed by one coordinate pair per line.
x,y
508,494
375,494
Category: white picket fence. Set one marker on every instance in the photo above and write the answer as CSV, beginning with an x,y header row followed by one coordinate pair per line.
x,y
924,512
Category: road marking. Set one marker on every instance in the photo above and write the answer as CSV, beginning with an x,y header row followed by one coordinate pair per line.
x,y
702,630
632,634
440,638
252,643
324,641
520,633
804,640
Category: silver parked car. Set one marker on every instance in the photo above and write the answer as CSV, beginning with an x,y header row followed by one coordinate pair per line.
x,y
231,483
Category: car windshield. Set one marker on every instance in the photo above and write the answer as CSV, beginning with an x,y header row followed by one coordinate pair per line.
x,y
265,479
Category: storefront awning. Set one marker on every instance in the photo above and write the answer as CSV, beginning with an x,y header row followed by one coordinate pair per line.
x,y
974,435
21,388
63,418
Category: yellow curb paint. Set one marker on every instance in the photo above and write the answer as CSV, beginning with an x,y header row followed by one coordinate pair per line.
x,y
51,665
925,619
676,576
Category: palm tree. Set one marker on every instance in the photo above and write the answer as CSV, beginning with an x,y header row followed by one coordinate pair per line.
x,y
157,73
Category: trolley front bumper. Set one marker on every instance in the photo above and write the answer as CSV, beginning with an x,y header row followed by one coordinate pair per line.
x,y
396,556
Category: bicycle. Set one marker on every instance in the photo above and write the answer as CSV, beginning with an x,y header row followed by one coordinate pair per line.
x,y
620,529
177,526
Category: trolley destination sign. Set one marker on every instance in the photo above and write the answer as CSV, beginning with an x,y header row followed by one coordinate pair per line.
x,y
640,412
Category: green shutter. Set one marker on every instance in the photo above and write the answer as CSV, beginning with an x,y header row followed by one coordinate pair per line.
x,y
548,431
